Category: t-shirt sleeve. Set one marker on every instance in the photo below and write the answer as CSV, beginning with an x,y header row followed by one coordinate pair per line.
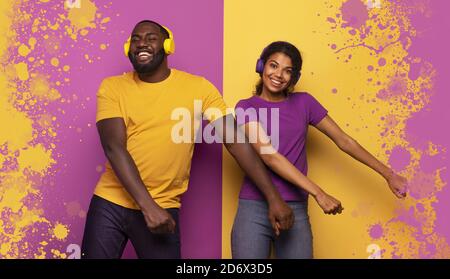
x,y
214,106
245,113
316,112
107,102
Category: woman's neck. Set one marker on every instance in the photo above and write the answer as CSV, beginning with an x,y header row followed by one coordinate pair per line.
x,y
272,97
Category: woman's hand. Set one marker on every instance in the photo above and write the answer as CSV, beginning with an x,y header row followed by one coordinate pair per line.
x,y
397,184
329,204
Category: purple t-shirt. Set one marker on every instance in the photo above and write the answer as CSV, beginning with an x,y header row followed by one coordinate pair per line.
x,y
295,113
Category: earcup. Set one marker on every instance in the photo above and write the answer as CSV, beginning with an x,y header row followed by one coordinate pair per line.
x,y
260,66
126,47
169,46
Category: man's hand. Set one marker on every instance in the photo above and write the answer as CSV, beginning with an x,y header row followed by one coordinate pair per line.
x,y
159,220
397,184
281,216
329,204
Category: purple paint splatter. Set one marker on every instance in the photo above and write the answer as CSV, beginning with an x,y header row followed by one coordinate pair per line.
x,y
376,231
399,158
354,13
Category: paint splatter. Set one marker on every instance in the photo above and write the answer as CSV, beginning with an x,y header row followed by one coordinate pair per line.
x,y
422,185
399,158
354,13
402,79
34,42
74,209
81,19
60,231
376,231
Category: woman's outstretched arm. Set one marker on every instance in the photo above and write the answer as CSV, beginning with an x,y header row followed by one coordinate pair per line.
x,y
396,183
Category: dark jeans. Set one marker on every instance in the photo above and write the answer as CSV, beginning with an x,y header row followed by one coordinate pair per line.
x,y
109,226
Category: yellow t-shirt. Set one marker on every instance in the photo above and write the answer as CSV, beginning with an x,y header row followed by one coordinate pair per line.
x,y
147,110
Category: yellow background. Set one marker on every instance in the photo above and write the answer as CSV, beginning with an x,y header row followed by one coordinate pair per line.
x,y
248,27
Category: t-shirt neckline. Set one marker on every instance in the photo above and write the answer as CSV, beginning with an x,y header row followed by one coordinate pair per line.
x,y
154,84
264,101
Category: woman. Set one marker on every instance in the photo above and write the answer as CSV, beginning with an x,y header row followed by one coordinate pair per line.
x,y
278,133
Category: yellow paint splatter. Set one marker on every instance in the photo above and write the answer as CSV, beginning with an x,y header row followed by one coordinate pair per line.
x,y
36,158
66,68
24,50
5,23
4,248
32,42
60,231
22,71
12,199
53,95
40,87
106,20
54,26
27,161
102,46
41,254
12,120
54,61
57,254
83,17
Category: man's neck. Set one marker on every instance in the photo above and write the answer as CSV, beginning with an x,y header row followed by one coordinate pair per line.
x,y
157,75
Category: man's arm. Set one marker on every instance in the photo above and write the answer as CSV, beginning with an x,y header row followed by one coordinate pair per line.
x,y
280,214
112,133
281,165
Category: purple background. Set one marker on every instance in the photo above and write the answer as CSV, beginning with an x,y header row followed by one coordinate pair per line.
x,y
197,27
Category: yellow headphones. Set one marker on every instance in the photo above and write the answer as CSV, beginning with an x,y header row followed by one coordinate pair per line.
x,y
169,43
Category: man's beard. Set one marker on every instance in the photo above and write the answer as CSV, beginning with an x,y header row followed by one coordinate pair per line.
x,y
150,66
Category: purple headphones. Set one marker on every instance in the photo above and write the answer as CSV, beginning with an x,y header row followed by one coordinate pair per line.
x,y
260,63
260,68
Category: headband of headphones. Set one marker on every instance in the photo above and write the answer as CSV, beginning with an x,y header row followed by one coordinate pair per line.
x,y
260,68
168,45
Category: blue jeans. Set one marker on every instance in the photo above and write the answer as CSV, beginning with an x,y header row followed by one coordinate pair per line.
x,y
109,226
252,233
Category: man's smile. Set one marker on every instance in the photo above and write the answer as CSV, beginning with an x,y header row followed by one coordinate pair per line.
x,y
143,56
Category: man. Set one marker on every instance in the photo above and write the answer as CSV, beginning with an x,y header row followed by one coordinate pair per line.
x,y
138,196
